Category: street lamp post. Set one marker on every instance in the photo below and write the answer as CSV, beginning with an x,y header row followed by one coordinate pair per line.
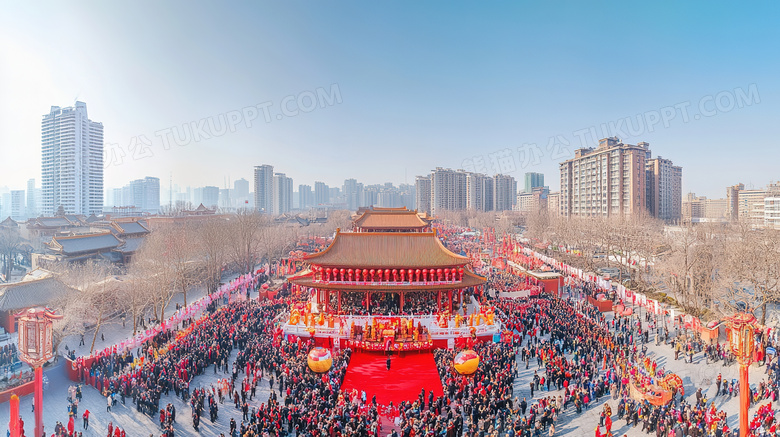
x,y
741,338
35,348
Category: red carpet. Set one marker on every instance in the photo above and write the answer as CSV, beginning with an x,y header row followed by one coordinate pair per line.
x,y
407,375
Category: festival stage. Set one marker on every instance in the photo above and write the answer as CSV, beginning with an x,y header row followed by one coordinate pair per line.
x,y
407,375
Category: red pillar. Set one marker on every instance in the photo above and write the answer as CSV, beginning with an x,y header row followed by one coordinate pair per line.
x,y
38,401
744,399
339,292
13,424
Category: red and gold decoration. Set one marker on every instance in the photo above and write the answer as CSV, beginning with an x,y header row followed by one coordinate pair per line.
x,y
647,383
466,362
35,348
742,340
374,346
320,360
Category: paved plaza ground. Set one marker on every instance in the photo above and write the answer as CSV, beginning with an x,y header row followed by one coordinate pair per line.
x,y
569,423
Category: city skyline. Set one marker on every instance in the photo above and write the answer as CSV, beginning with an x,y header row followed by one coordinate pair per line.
x,y
465,106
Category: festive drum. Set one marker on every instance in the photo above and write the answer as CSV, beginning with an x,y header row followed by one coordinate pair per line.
x,y
320,360
466,362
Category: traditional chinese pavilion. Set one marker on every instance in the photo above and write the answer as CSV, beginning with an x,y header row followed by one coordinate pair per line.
x,y
370,277
373,263
390,220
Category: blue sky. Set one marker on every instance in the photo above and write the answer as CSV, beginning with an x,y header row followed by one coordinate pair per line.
x,y
412,86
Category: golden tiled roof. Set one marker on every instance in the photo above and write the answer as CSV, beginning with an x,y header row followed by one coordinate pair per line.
x,y
387,250
390,219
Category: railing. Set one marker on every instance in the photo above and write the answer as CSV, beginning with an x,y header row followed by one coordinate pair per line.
x,y
386,283
464,331
430,322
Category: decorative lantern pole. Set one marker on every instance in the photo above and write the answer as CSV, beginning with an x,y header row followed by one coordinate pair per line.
x,y
742,340
35,348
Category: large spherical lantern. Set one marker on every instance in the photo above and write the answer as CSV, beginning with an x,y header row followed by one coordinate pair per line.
x,y
466,362
320,360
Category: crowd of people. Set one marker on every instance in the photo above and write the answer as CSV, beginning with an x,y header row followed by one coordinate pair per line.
x,y
387,304
573,347
505,281
8,355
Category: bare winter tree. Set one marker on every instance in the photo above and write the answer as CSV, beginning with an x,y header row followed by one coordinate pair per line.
x,y
10,241
690,265
139,290
276,242
98,297
243,238
151,263
211,236
184,255
752,270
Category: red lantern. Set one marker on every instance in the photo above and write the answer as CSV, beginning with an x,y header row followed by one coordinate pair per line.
x,y
342,271
417,275
439,274
409,274
460,274
425,275
447,274
349,272
365,273
36,335
403,273
387,275
372,272
395,275
327,274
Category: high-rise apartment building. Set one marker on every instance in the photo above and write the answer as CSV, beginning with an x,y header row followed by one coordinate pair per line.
x,y
321,194
18,206
71,162
605,181
479,190
533,180
210,197
225,201
448,190
554,204
700,209
352,193
748,204
282,194
663,189
533,202
32,198
142,194
422,190
264,184
504,192
772,212
305,197
240,194
151,197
